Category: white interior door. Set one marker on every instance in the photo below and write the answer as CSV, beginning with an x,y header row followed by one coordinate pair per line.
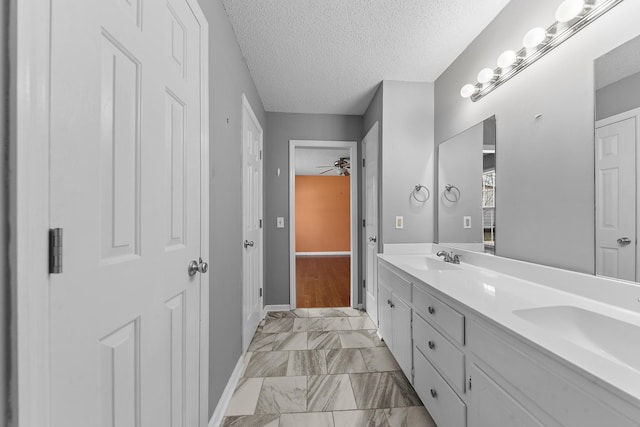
x,y
125,186
251,222
371,143
616,199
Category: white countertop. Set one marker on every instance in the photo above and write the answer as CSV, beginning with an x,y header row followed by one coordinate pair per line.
x,y
496,296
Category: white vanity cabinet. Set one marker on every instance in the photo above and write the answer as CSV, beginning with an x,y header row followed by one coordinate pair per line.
x,y
394,315
471,371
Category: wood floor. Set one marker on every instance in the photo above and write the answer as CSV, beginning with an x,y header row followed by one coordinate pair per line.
x,y
323,281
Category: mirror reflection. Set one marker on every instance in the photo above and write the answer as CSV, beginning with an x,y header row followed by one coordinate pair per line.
x,y
617,99
467,190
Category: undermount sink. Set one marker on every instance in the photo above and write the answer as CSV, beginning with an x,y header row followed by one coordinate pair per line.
x,y
608,337
425,263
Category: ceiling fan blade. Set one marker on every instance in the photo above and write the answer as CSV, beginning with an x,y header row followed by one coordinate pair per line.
x,y
328,170
346,172
324,166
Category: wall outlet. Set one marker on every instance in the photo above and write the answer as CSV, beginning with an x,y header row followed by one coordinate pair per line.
x,y
399,222
466,222
280,222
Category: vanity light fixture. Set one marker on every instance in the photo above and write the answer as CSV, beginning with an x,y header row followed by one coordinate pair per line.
x,y
571,16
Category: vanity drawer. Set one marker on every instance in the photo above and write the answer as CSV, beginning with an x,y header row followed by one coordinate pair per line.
x,y
443,403
398,285
444,355
434,310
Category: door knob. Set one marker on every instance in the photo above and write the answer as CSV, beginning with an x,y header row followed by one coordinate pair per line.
x,y
248,243
203,267
373,239
624,241
198,267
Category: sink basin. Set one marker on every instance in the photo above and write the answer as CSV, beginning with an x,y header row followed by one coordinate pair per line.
x,y
426,263
608,337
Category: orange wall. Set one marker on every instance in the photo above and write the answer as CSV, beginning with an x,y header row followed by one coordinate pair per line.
x,y
322,213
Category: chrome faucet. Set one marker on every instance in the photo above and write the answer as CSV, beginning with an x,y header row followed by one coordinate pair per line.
x,y
449,257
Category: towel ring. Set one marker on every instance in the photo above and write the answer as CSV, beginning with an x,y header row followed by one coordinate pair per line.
x,y
450,189
417,191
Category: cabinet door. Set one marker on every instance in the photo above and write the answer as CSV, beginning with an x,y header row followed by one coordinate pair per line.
x,y
492,406
384,315
401,332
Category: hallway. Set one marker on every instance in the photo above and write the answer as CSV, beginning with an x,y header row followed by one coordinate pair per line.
x,y
324,368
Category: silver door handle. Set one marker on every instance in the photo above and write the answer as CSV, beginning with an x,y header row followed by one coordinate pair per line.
x,y
248,243
373,239
197,267
624,241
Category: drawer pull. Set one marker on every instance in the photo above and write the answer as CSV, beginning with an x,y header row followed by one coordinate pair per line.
x,y
432,345
433,393
431,310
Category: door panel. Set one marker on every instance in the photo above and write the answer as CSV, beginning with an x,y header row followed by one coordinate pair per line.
x,y
371,215
252,223
125,187
615,199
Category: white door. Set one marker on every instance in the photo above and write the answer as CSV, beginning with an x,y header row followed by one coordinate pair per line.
x,y
616,200
370,142
251,223
125,187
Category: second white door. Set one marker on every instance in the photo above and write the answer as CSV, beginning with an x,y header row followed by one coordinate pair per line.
x,y
251,223
370,143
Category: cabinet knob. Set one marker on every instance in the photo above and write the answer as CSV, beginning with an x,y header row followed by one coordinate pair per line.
x,y
434,394
431,310
432,345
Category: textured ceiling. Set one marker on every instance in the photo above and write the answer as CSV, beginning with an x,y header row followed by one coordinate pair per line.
x,y
327,56
309,160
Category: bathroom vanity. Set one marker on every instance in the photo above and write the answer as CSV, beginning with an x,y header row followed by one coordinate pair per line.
x,y
485,347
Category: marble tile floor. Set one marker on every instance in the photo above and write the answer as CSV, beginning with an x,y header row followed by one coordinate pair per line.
x,y
322,368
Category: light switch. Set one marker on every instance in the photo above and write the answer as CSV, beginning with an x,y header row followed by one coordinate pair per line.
x,y
466,222
280,222
399,222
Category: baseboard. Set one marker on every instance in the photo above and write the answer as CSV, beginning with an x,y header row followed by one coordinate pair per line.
x,y
333,253
221,408
281,307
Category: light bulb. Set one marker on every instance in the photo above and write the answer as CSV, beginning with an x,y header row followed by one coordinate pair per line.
x,y
507,59
569,9
467,90
534,37
485,75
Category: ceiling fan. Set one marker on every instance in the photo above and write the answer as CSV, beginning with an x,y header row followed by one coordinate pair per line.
x,y
343,165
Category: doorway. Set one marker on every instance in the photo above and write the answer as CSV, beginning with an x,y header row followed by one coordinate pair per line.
x,y
323,212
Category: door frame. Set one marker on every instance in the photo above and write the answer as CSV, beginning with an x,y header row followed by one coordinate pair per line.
x,y
29,92
246,107
353,189
633,113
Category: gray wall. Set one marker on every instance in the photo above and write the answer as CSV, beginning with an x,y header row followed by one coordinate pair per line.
x,y
618,97
535,155
460,164
407,155
5,355
229,78
283,127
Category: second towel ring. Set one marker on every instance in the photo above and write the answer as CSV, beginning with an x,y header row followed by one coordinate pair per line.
x,y
449,190
417,190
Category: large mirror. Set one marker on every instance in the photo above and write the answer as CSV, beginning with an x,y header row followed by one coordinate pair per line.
x,y
466,188
617,156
